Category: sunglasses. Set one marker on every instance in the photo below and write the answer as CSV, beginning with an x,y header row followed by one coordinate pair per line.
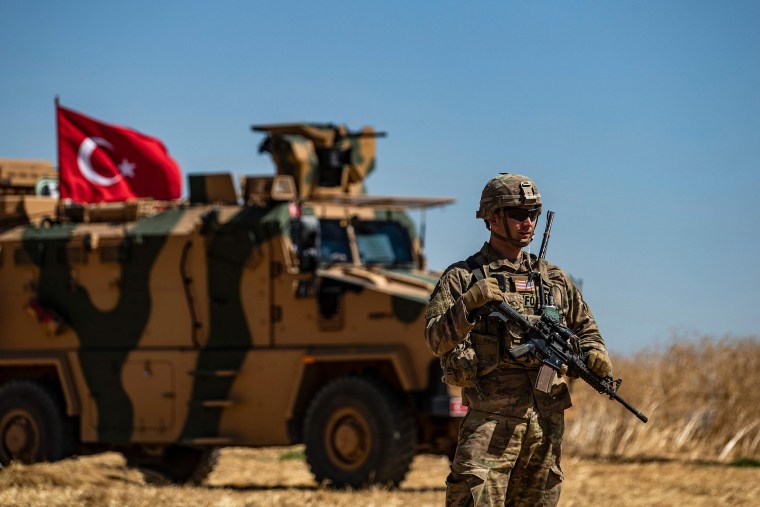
x,y
521,214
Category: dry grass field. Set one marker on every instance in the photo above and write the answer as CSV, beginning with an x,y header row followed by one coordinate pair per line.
x,y
704,420
248,477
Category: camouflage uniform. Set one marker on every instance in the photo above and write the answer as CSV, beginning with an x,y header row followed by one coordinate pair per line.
x,y
510,440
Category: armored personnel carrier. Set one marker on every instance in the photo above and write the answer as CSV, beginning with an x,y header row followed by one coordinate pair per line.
x,y
288,311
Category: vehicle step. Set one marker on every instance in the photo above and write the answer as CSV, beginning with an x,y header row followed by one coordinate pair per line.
x,y
208,441
215,373
213,403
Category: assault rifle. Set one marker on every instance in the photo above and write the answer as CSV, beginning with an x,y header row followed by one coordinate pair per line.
x,y
555,346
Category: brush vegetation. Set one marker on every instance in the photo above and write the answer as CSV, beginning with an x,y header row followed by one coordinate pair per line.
x,y
701,396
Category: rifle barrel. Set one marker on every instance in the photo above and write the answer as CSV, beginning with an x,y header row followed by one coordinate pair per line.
x,y
630,407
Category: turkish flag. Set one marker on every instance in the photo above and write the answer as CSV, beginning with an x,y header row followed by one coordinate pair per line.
x,y
101,162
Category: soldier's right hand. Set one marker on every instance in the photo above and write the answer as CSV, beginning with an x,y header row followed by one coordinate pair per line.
x,y
483,292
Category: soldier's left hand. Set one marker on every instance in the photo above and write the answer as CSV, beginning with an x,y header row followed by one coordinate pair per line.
x,y
599,362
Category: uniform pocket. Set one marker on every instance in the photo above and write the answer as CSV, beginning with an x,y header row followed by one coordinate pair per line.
x,y
553,485
487,351
460,365
559,387
515,300
514,332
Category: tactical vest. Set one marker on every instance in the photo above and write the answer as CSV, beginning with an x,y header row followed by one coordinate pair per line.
x,y
486,347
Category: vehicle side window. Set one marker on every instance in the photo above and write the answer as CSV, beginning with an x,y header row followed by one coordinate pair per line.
x,y
383,242
333,246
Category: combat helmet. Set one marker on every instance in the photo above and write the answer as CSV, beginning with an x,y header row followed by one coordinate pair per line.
x,y
507,189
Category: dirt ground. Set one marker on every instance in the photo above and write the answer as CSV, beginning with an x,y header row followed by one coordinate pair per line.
x,y
279,476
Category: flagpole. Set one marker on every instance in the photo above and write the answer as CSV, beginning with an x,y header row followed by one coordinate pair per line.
x,y
58,139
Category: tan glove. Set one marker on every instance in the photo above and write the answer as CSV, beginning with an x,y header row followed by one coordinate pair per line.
x,y
599,362
483,292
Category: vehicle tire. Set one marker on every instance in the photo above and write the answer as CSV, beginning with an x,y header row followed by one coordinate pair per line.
x,y
33,425
357,433
178,464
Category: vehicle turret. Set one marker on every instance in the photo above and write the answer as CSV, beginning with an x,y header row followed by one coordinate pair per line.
x,y
323,158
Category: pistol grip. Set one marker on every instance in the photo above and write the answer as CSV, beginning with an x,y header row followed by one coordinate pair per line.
x,y
521,350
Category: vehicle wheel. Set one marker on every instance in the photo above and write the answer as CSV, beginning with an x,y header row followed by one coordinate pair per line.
x,y
357,433
179,464
33,426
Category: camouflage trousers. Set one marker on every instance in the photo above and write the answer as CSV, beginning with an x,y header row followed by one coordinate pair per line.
x,y
505,460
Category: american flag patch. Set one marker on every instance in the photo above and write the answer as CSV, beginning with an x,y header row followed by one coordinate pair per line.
x,y
524,286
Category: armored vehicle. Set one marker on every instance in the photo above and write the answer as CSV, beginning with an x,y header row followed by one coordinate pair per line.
x,y
286,309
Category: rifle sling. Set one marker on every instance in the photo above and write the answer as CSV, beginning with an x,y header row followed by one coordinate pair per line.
x,y
476,267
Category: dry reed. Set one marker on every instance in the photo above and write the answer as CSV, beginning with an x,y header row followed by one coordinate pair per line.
x,y
701,397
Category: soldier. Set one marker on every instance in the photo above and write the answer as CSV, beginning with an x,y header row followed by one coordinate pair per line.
x,y
510,440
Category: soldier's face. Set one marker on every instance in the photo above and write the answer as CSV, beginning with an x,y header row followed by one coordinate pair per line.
x,y
518,224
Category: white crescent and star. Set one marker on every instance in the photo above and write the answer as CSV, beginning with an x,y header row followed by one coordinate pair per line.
x,y
86,149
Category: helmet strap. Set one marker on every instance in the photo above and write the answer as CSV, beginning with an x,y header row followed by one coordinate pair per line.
x,y
508,238
502,237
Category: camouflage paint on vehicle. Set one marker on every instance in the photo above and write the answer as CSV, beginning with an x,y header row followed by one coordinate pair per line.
x,y
123,326
267,317
229,247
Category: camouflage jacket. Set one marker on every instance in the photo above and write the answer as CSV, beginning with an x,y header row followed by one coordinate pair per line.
x,y
500,384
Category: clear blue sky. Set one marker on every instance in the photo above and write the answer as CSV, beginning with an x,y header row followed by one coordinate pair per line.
x,y
639,120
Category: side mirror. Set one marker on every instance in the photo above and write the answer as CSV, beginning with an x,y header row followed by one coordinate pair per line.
x,y
304,232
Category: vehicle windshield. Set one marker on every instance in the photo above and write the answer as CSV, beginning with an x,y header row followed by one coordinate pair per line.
x,y
378,241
